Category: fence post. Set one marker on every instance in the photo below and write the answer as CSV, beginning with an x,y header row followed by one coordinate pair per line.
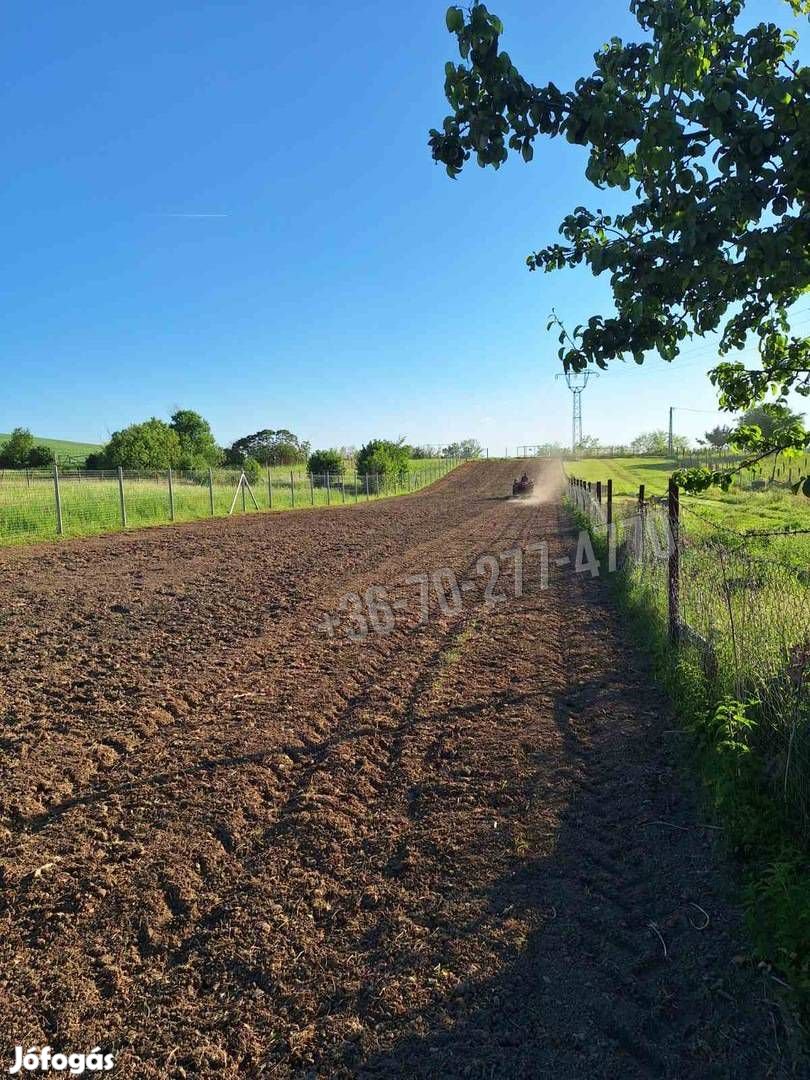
x,y
121,499
610,502
328,491
270,487
674,561
211,491
343,487
599,492
292,490
171,496
311,490
57,493
641,496
367,494
356,485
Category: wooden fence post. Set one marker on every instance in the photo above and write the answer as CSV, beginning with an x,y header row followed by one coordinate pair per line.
x,y
121,500
610,502
674,561
57,493
599,492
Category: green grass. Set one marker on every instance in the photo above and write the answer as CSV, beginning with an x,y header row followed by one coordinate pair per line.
x,y
749,734
91,502
738,510
76,452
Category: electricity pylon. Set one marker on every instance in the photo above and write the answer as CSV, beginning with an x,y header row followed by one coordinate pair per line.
x,y
577,381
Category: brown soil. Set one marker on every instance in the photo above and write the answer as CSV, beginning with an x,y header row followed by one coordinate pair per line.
x,y
233,845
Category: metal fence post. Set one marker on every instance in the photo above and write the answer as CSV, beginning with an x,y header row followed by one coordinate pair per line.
x,y
171,497
311,490
610,502
58,495
343,487
674,561
121,500
367,494
270,487
211,491
292,490
356,488
328,491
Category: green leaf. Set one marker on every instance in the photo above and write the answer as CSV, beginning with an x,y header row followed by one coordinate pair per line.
x,y
454,19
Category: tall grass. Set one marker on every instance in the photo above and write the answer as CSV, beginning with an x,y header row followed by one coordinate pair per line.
x,y
91,501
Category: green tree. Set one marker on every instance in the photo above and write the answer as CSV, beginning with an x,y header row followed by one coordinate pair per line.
x,y
198,447
467,448
150,445
771,418
719,437
269,448
588,443
707,124
325,462
657,442
383,459
40,457
14,453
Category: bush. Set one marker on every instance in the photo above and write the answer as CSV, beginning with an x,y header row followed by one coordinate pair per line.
x,y
323,462
150,445
384,460
14,454
252,469
40,457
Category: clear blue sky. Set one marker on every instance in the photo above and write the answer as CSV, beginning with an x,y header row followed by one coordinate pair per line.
x,y
232,208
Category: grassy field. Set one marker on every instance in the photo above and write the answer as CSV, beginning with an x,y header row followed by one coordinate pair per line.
x,y
64,449
91,503
739,510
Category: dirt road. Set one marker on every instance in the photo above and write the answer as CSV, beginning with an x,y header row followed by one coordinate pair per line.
x,y
236,842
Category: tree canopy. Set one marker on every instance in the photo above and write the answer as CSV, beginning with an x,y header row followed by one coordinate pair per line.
x,y
21,452
197,443
707,126
269,447
154,444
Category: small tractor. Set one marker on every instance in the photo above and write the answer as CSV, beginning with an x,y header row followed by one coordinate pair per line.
x,y
523,486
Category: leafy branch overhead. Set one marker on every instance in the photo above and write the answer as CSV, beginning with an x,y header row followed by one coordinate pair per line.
x,y
708,128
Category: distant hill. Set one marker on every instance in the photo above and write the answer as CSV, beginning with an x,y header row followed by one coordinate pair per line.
x,y
72,453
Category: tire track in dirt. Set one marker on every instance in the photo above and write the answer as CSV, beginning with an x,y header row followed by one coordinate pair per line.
x,y
425,854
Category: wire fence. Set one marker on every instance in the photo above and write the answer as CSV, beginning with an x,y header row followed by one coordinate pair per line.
x,y
42,504
729,604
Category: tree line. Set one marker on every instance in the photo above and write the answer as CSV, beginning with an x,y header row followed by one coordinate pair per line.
x,y
186,442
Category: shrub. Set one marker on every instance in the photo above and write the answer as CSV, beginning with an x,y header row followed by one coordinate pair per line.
x,y
323,462
384,460
252,469
39,457
150,445
14,454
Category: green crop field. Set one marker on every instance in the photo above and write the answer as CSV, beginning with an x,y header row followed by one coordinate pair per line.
x,y
91,502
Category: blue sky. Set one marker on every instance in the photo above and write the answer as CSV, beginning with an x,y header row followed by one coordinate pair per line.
x,y
231,207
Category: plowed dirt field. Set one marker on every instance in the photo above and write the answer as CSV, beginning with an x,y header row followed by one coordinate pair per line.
x,y
236,845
